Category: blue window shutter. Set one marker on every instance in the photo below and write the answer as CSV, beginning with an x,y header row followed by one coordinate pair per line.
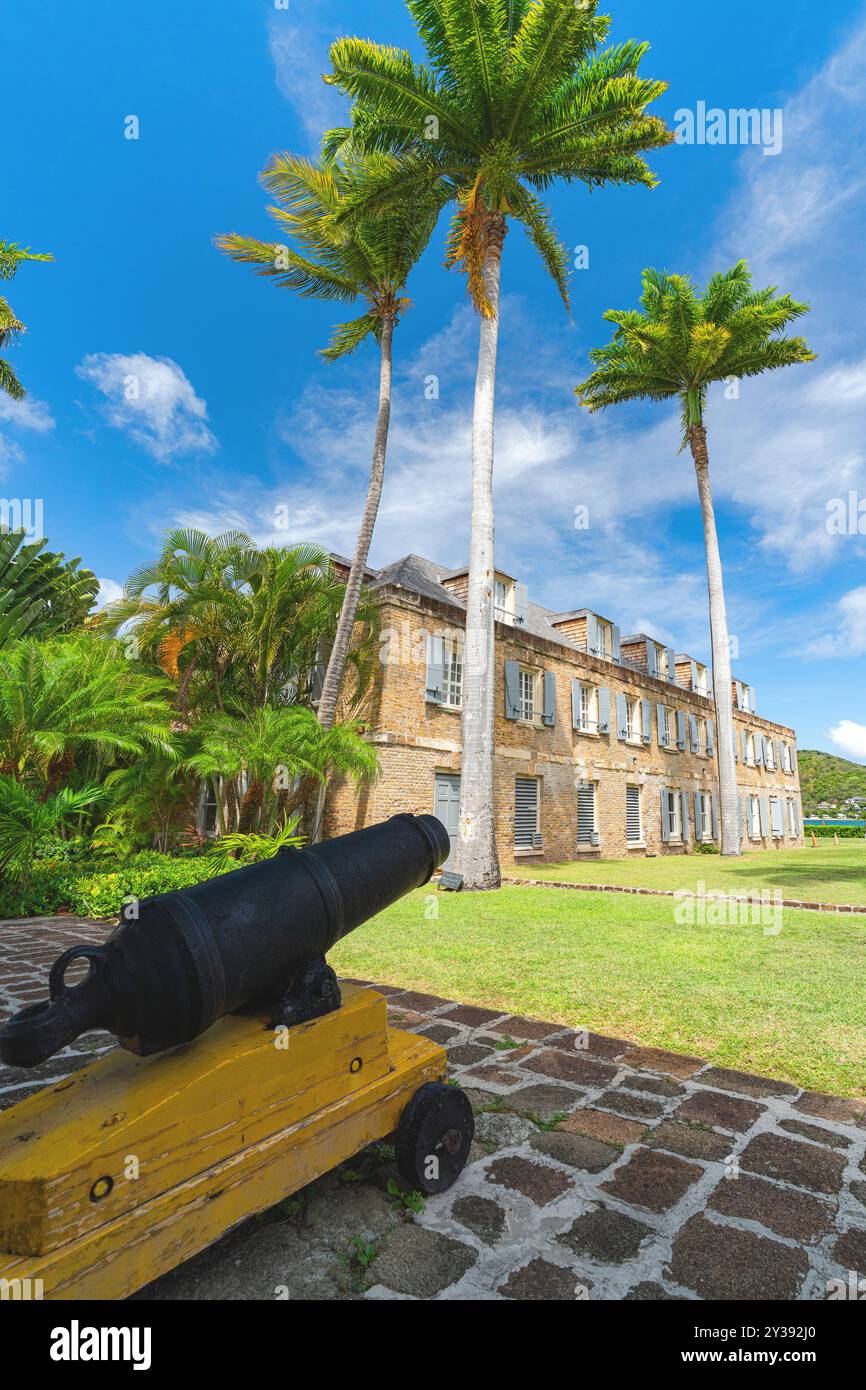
x,y
592,634
603,710
766,746
684,800
681,730
512,690
621,716
694,677
759,750
661,726
753,704
665,804
616,643
435,670
765,815
711,738
575,704
652,658
778,755
740,697
697,815
646,721
549,716
793,758
693,732
796,815
745,746
672,666
521,605
715,804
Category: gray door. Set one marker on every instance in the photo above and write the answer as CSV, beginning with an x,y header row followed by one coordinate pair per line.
x,y
446,805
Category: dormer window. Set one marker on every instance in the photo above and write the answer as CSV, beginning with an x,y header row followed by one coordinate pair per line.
x,y
504,601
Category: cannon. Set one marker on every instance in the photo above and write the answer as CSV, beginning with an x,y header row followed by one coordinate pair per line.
x,y
245,1069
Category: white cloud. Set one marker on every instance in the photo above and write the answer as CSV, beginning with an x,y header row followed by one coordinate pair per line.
x,y
151,399
300,56
28,414
10,452
848,638
851,739
109,592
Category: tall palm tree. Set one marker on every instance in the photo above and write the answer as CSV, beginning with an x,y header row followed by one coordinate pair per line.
x,y
514,97
674,347
369,262
11,328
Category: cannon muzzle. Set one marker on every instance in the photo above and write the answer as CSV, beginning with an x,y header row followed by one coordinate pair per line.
x,y
180,961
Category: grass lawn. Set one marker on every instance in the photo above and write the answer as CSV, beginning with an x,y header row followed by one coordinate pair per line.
x,y
792,1006
829,874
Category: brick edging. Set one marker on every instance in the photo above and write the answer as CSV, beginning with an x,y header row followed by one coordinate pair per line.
x,y
672,893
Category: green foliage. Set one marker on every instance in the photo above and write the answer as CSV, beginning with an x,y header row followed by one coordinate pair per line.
x,y
681,340
41,593
11,328
100,891
512,98
827,832
26,819
411,1203
232,850
825,777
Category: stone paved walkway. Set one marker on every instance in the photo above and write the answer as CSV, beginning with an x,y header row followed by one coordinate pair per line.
x,y
600,1170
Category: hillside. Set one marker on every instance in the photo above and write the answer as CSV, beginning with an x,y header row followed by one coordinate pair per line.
x,y
824,777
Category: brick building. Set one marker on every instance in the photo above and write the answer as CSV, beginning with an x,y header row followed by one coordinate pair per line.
x,y
605,746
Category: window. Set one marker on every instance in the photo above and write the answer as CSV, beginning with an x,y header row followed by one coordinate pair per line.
x,y
586,831
526,833
750,751
786,757
671,815
792,818
604,640
702,680
704,827
777,820
586,709
633,819
703,737
452,674
770,755
504,601
670,728
635,730
754,818
528,683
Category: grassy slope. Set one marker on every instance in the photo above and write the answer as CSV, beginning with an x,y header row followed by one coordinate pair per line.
x,y
827,874
824,777
791,1006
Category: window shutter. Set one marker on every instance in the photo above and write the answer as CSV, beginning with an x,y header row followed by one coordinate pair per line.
x,y
684,800
621,716
759,750
765,815
575,705
512,690
435,670
632,815
549,715
616,642
695,677
793,758
777,816
715,806
521,605
526,813
753,704
592,634
681,731
778,754
711,738
745,747
796,815
662,726
766,742
586,832
742,816
693,732
665,805
672,666
603,710
698,817
652,658
646,719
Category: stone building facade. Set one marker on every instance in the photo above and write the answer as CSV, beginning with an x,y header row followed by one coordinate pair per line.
x,y
604,745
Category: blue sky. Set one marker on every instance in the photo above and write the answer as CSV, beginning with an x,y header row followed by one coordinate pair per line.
x,y
238,419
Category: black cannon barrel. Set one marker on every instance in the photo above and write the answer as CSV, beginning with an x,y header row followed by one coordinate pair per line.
x,y
180,961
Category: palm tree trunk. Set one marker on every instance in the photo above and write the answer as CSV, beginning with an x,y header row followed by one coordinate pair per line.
x,y
475,856
333,681
730,837
339,652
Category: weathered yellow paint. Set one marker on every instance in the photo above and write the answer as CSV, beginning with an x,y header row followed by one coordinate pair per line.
x,y
221,1129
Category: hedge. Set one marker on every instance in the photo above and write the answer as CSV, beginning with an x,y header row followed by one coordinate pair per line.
x,y
100,892
826,832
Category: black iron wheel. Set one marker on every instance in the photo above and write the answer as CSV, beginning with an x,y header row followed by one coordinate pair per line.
x,y
434,1137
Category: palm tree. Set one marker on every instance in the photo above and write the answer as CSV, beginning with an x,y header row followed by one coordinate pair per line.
x,y
11,256
272,749
513,99
672,348
41,593
369,261
71,697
